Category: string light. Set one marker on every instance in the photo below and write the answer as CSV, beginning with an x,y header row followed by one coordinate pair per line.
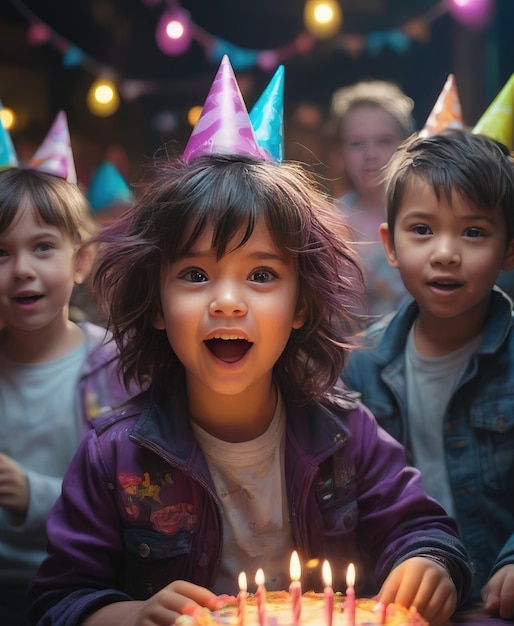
x,y
323,18
102,98
472,13
8,118
173,32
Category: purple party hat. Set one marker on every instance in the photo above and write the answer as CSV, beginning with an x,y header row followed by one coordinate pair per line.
x,y
267,117
8,157
54,155
224,126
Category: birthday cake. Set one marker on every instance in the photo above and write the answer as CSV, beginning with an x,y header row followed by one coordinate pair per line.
x,y
279,612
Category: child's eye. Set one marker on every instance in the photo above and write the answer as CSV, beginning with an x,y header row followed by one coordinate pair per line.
x,y
262,276
194,275
473,232
421,229
3,252
43,247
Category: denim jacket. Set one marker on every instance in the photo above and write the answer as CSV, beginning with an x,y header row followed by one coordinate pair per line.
x,y
139,508
478,425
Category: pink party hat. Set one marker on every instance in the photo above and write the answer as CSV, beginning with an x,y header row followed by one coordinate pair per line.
x,y
224,126
54,155
447,111
498,120
267,117
8,156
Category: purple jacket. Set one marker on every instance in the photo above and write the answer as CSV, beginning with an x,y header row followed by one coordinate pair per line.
x,y
100,388
139,508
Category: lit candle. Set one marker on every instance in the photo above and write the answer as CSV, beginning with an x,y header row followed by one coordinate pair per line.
x,y
260,595
295,588
241,599
349,603
328,593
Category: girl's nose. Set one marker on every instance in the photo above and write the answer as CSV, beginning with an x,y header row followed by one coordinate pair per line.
x,y
227,301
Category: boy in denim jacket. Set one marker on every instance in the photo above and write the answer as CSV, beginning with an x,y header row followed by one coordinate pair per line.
x,y
439,373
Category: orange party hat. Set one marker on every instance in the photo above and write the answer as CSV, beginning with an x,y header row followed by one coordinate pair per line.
x,y
498,120
447,111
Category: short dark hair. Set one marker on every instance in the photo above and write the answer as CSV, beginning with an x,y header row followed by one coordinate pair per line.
x,y
230,193
55,201
474,166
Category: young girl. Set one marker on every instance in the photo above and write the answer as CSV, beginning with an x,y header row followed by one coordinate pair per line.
x,y
231,288
371,119
54,375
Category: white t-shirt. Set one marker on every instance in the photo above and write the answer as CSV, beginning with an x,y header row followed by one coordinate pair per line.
x,y
250,483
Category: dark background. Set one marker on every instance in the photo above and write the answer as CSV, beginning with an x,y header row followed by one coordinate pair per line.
x,y
118,35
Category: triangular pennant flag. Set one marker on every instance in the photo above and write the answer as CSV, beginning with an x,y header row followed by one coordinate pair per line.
x,y
224,126
498,120
107,187
54,155
447,111
267,117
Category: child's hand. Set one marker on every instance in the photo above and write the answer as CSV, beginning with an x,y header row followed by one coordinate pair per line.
x,y
162,609
498,593
14,490
422,583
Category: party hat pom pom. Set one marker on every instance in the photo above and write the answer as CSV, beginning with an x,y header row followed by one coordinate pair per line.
x,y
498,120
447,111
107,187
224,126
8,156
267,117
54,155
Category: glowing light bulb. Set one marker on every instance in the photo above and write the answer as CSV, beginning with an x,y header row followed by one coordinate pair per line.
x,y
173,32
323,18
102,98
472,13
8,118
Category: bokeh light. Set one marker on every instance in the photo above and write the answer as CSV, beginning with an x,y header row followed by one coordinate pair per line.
x,y
194,114
173,32
8,118
472,13
102,98
323,18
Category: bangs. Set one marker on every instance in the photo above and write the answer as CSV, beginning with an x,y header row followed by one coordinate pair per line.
x,y
230,201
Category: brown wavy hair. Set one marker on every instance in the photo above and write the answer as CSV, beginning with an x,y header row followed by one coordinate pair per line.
x,y
230,194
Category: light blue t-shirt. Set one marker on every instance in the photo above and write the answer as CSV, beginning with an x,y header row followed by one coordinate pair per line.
x,y
40,427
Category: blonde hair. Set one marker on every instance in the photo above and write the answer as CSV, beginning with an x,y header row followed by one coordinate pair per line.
x,y
377,93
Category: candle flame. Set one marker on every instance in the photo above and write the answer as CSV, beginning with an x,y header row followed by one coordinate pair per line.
x,y
295,570
327,574
350,575
242,582
259,577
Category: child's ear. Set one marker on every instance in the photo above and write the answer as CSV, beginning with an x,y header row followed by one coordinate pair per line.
x,y
84,259
158,321
388,244
508,259
300,316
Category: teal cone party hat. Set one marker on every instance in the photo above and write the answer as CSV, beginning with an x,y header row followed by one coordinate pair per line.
x,y
224,126
8,156
107,187
267,117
